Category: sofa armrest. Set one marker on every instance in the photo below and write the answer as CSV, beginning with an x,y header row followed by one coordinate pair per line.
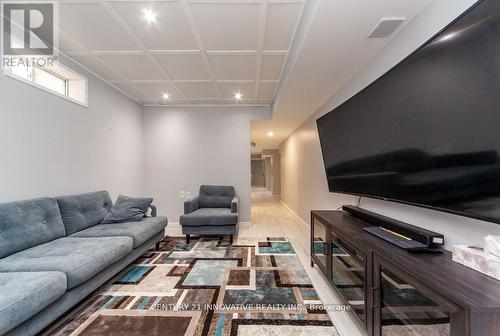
x,y
234,204
191,205
153,210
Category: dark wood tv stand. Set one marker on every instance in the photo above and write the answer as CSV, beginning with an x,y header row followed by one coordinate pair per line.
x,y
394,292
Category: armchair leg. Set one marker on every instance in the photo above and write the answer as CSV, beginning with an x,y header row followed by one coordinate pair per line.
x,y
230,239
188,237
157,246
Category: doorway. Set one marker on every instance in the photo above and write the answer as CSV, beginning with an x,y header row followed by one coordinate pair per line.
x,y
258,171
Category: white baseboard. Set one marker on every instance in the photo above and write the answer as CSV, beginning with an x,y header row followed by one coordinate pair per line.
x,y
300,219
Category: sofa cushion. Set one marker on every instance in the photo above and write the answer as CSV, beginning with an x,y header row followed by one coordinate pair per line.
x,y
210,216
216,196
83,211
26,293
140,232
127,209
79,258
25,224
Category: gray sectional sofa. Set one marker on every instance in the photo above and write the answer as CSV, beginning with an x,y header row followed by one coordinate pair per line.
x,y
54,252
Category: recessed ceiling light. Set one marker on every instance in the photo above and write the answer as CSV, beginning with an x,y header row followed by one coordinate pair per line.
x,y
166,96
238,96
270,134
149,15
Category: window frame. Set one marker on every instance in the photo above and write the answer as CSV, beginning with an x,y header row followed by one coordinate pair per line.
x,y
31,81
52,73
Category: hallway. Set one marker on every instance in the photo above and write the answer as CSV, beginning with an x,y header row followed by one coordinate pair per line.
x,y
270,217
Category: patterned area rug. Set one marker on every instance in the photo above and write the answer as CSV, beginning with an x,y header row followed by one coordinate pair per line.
x,y
256,287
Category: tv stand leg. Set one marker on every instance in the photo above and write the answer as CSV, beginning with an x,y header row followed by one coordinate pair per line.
x,y
312,263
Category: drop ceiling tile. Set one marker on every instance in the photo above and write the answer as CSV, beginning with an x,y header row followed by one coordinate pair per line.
x,y
226,26
157,89
131,91
199,90
181,67
94,27
171,31
229,89
174,102
239,102
267,90
68,43
234,67
205,102
134,66
148,102
272,66
96,66
264,101
280,25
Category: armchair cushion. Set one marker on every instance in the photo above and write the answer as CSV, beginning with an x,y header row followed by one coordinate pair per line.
x,y
210,216
216,196
191,205
127,209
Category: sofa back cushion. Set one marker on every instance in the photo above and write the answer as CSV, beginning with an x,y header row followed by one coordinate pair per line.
x,y
216,196
80,212
25,224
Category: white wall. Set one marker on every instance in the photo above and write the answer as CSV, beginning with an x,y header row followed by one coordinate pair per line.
x,y
187,147
304,185
50,146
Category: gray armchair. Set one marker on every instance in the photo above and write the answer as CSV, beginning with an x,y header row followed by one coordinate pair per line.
x,y
213,212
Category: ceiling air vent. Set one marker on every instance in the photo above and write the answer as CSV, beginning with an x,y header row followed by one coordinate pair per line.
x,y
386,27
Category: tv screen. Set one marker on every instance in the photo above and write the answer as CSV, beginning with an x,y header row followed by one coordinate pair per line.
x,y
428,131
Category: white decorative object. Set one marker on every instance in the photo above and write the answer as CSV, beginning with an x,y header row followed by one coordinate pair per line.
x,y
477,259
492,245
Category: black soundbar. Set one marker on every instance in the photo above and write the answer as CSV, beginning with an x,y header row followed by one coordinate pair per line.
x,y
424,236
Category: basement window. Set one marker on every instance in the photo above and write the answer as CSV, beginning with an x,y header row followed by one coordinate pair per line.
x,y
56,79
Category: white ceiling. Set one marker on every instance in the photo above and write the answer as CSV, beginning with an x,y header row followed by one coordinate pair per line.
x,y
200,52
330,47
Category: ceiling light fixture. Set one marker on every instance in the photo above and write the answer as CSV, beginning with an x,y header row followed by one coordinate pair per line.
x,y
149,15
166,96
270,134
238,96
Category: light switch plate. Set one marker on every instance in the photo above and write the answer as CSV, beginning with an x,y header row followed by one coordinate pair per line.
x,y
188,194
183,195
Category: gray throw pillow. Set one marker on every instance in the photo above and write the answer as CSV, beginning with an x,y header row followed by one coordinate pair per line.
x,y
127,209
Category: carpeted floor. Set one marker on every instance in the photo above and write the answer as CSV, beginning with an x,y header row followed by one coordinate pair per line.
x,y
256,287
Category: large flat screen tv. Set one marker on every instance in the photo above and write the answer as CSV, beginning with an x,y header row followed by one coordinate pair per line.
x,y
428,131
